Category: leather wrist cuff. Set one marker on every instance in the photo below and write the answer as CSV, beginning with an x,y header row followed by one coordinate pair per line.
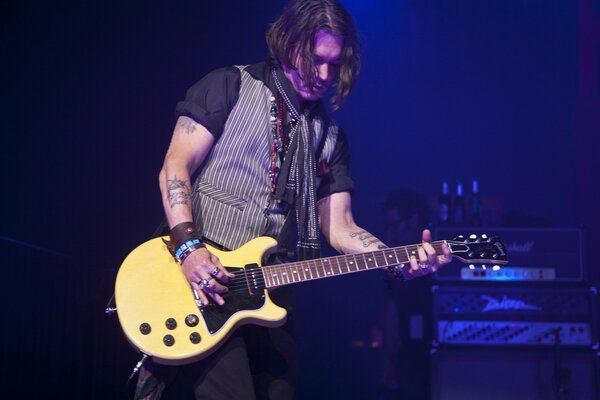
x,y
183,232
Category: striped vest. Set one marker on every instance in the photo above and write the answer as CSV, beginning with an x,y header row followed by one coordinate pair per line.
x,y
232,189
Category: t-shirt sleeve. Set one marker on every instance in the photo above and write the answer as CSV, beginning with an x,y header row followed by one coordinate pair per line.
x,y
338,178
210,100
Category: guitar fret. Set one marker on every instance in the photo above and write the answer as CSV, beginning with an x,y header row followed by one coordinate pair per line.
x,y
285,275
304,271
407,255
327,264
314,268
275,279
384,260
267,278
295,275
308,268
397,261
372,259
353,263
337,260
321,266
365,261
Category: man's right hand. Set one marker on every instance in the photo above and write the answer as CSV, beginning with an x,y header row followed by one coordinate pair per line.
x,y
206,275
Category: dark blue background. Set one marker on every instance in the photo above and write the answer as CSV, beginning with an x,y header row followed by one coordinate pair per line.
x,y
448,90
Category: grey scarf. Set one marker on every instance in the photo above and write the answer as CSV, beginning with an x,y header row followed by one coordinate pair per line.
x,y
296,182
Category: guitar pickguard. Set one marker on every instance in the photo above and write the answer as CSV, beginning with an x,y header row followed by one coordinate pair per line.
x,y
240,299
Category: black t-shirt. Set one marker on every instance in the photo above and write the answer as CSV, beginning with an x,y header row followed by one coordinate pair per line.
x,y
210,100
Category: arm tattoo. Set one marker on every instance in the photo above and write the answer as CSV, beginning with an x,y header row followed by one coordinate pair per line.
x,y
362,235
367,243
365,237
177,192
188,125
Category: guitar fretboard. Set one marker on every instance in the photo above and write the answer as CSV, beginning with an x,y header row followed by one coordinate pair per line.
x,y
284,274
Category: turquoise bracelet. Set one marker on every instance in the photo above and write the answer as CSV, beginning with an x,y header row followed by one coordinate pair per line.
x,y
187,248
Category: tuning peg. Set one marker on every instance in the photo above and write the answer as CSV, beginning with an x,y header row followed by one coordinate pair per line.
x,y
496,268
473,237
471,266
484,236
483,267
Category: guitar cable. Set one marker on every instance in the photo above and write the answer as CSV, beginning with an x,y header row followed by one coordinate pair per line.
x,y
130,390
137,367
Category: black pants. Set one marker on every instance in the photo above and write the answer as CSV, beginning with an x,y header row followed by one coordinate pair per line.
x,y
254,363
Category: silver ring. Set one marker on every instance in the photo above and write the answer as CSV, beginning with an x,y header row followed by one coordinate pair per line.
x,y
424,265
215,271
205,283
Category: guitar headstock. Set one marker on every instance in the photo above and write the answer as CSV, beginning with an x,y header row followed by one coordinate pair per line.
x,y
483,250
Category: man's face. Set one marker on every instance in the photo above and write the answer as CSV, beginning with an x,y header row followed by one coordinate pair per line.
x,y
327,52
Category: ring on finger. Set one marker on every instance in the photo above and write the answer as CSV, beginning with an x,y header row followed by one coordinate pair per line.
x,y
215,271
424,265
205,283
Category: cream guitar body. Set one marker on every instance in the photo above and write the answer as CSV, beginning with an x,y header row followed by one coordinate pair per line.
x,y
158,311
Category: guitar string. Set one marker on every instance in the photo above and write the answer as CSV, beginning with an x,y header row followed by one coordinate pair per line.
x,y
238,283
316,264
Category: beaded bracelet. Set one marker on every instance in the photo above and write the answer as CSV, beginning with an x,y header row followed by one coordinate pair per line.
x,y
186,249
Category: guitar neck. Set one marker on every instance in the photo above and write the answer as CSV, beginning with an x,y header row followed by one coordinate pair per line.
x,y
301,271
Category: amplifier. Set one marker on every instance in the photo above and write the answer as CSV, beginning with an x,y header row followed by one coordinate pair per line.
x,y
520,316
514,373
534,254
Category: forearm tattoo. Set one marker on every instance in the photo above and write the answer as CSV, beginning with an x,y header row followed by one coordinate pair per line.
x,y
187,125
178,192
365,237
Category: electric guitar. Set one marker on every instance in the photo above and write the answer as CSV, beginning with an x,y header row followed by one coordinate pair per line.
x,y
161,317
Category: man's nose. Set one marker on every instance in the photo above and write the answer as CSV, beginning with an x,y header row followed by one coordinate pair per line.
x,y
323,72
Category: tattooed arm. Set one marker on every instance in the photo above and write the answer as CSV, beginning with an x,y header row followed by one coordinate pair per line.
x,y
339,228
342,233
189,146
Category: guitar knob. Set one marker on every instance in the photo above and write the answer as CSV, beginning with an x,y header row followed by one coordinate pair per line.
x,y
145,328
192,320
171,323
169,340
195,337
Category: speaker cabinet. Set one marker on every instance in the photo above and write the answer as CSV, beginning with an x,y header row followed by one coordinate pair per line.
x,y
516,374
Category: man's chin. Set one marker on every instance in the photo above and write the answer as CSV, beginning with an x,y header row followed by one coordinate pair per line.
x,y
311,96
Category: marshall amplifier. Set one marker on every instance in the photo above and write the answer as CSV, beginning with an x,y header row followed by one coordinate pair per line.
x,y
515,316
534,254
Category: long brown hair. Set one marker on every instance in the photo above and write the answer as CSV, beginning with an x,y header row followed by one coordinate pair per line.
x,y
292,37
